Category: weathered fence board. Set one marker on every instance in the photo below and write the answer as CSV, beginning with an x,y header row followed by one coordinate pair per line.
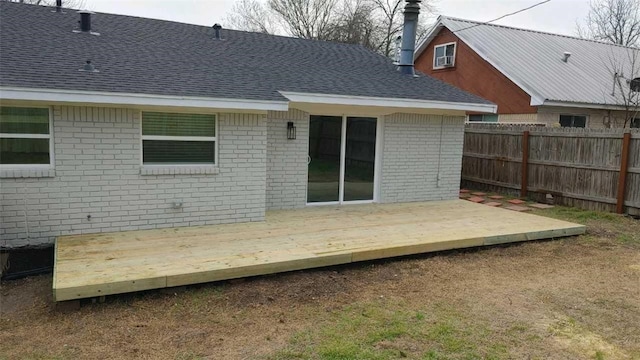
x,y
578,167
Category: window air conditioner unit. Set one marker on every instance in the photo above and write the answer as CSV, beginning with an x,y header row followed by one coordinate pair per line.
x,y
444,61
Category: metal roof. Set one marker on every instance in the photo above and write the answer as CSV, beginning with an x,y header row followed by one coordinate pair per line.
x,y
533,61
40,50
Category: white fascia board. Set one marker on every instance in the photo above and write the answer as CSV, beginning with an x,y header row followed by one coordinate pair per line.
x,y
435,29
537,101
312,98
583,105
96,97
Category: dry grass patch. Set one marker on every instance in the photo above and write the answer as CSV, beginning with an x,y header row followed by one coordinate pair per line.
x,y
573,298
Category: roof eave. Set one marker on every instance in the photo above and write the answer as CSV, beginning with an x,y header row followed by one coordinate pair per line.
x,y
435,29
133,99
582,105
383,102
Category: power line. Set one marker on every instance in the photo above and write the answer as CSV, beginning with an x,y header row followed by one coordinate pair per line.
x,y
503,16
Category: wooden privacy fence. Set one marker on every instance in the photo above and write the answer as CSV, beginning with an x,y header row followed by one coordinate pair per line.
x,y
595,169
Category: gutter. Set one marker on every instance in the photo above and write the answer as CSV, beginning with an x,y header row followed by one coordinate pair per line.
x,y
131,99
580,105
110,98
368,101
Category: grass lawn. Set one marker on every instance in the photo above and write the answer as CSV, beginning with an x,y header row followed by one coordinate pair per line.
x,y
573,298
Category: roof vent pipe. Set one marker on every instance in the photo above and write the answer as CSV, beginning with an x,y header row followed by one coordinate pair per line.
x,y
216,29
565,56
88,67
85,20
58,6
396,50
411,11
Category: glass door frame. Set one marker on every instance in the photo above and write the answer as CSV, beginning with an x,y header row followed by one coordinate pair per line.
x,y
377,166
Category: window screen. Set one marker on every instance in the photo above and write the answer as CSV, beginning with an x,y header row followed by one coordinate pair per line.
x,y
443,55
24,136
573,121
172,138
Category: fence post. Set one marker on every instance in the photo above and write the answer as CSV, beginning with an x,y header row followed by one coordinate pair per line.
x,y
525,164
622,178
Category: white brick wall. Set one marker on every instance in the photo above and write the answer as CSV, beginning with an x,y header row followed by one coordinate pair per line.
x,y
98,173
287,160
411,170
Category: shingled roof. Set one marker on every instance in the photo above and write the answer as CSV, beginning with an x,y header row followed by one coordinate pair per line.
x,y
38,49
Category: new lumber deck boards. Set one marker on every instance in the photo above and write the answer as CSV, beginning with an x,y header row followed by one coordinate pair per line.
x,y
111,263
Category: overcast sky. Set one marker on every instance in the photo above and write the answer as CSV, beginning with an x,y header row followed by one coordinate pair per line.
x,y
557,16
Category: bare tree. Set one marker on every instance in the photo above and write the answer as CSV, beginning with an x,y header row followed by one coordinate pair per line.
x,y
251,15
391,19
374,24
614,21
307,19
355,24
625,71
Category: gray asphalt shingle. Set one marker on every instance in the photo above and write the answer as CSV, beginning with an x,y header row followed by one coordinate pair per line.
x,y
38,49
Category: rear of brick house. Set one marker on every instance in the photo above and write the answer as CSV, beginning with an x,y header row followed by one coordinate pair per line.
x,y
111,143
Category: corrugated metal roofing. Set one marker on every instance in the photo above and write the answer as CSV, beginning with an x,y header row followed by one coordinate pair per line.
x,y
533,60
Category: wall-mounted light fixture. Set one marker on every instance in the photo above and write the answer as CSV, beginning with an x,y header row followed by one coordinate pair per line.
x,y
291,131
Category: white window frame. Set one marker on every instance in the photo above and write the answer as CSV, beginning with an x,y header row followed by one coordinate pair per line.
x,y
377,162
455,49
32,136
475,121
213,139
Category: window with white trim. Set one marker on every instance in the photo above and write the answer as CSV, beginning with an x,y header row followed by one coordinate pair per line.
x,y
178,139
444,55
25,136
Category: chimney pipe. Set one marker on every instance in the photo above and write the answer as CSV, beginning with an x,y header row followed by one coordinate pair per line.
x,y
411,11
58,6
216,28
565,56
85,20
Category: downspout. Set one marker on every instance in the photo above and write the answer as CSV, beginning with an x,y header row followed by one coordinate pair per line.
x,y
438,178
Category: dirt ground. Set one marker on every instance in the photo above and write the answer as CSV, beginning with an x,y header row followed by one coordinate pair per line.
x,y
572,298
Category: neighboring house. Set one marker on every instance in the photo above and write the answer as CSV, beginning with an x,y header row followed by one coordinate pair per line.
x,y
529,76
172,125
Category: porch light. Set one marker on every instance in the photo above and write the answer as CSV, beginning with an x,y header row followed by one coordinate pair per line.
x,y
291,131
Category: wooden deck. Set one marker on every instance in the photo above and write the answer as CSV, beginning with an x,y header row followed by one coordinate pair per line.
x,y
111,263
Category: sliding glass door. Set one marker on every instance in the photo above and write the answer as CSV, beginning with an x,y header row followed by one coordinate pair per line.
x,y
325,134
359,158
342,158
